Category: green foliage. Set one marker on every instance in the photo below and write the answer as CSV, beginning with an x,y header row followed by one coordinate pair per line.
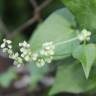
x,y
7,77
70,78
62,25
36,74
86,54
84,11
50,30
2,2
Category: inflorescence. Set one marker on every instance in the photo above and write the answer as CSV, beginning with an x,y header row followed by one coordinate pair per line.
x,y
85,35
45,55
42,56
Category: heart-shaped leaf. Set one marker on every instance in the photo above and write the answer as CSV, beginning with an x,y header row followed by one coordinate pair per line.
x,y
70,78
86,54
57,28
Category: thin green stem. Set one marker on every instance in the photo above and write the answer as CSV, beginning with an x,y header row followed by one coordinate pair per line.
x,y
67,41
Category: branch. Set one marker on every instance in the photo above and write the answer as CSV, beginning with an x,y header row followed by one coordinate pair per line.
x,y
35,18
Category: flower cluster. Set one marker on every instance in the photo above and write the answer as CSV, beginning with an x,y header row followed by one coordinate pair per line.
x,y
25,50
40,57
85,35
6,46
17,59
45,55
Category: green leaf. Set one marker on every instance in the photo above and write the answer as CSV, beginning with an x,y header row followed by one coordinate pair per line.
x,y
7,77
84,11
2,7
70,78
86,54
57,28
36,73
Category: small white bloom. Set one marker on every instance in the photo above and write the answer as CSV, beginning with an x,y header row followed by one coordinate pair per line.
x,y
43,52
7,47
48,46
85,35
2,45
7,41
34,56
10,46
10,52
19,65
40,62
24,44
15,55
18,60
27,58
48,49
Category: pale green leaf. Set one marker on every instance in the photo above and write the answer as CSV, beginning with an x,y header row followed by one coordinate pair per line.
x,y
7,77
57,28
70,78
86,54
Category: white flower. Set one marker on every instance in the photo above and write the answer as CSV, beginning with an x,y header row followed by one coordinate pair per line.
x,y
18,61
24,44
2,45
85,35
10,46
7,47
45,55
27,58
48,49
18,65
14,56
7,41
25,50
48,46
40,62
34,56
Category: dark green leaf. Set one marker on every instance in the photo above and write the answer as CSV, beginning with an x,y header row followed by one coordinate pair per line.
x,y
84,11
2,7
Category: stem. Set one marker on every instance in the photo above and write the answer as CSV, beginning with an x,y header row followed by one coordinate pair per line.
x,y
64,42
